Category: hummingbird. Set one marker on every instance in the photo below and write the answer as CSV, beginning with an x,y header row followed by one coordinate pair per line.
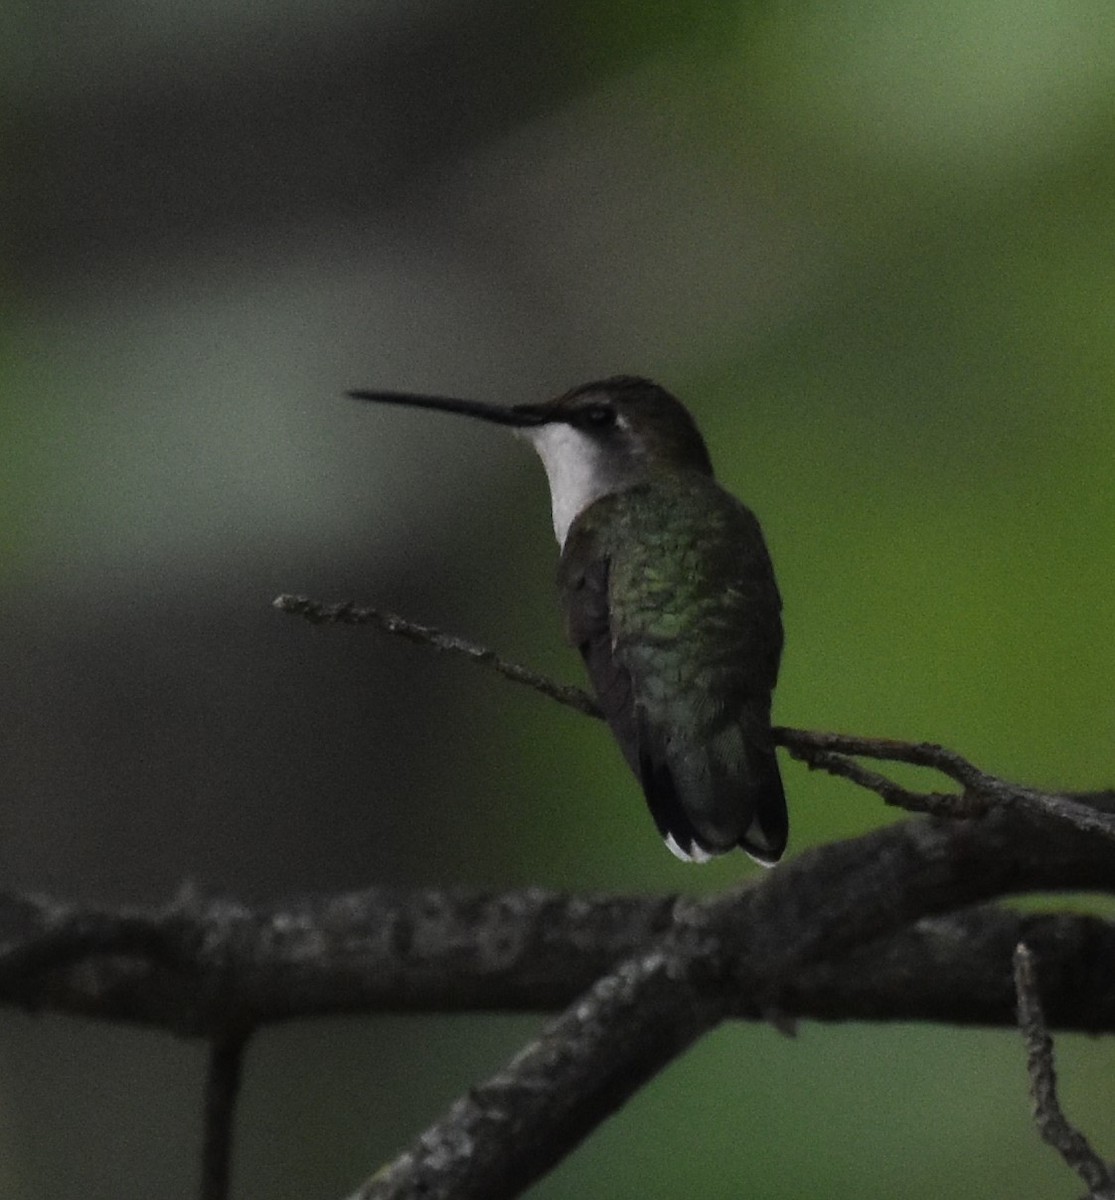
x,y
669,595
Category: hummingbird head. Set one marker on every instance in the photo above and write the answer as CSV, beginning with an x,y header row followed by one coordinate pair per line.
x,y
608,436
595,439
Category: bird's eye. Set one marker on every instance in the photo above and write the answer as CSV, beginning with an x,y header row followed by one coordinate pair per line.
x,y
599,416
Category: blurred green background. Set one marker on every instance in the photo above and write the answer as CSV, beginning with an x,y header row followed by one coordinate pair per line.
x,y
872,245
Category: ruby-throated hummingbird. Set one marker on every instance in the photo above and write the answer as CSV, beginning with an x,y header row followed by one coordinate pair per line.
x,y
669,595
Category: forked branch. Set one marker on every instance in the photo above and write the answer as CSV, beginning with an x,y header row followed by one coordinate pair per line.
x,y
834,753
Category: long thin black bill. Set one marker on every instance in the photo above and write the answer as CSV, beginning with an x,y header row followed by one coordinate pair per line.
x,y
521,414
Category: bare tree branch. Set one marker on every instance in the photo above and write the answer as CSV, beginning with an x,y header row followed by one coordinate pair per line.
x,y
197,965
752,943
955,969
507,1132
845,931
346,613
1049,1117
879,927
830,752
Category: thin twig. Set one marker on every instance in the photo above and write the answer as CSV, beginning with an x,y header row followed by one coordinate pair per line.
x,y
346,613
830,752
940,804
1049,1117
981,790
222,1086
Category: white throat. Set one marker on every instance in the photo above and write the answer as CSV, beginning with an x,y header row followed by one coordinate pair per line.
x,y
578,471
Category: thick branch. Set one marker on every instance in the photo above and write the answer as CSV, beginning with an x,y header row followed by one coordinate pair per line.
x,y
192,966
836,933
579,1071
753,944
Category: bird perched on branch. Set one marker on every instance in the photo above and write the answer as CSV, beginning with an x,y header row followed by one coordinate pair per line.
x,y
669,595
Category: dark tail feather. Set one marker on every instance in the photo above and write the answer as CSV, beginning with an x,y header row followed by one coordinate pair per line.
x,y
765,838
760,791
666,809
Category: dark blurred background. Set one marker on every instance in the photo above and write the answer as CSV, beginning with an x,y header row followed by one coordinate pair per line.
x,y
872,245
